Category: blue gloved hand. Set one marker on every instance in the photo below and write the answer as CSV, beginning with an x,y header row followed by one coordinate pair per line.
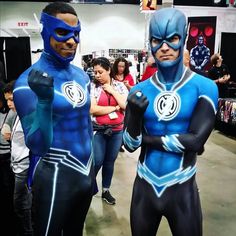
x,y
42,84
137,103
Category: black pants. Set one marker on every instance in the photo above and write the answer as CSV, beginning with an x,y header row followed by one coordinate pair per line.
x,y
23,204
61,199
6,196
179,203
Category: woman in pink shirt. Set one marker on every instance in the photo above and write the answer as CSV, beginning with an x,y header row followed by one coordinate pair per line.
x,y
122,73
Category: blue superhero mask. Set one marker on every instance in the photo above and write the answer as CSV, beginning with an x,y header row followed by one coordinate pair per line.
x,y
164,25
51,25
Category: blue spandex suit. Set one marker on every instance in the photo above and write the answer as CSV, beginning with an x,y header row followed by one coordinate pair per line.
x,y
57,128
176,116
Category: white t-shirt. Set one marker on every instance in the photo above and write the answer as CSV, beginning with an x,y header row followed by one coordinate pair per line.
x,y
19,151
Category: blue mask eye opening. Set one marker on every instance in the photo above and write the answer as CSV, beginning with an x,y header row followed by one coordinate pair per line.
x,y
76,33
175,39
155,42
61,32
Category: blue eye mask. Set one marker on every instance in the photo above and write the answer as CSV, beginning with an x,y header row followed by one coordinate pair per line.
x,y
168,42
60,31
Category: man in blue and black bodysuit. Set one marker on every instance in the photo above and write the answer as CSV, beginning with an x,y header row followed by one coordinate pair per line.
x,y
170,116
52,100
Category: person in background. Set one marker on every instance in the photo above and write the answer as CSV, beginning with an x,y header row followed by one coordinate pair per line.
x,y
150,69
122,73
108,101
6,173
52,100
20,165
186,58
219,73
89,70
133,69
170,116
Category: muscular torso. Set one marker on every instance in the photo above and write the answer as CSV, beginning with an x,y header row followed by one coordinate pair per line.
x,y
71,103
171,159
168,113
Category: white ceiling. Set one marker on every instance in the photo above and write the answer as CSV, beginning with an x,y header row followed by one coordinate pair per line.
x,y
34,32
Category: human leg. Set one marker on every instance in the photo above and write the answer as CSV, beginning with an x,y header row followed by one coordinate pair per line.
x,y
99,147
80,201
23,204
112,150
62,195
6,197
184,214
145,212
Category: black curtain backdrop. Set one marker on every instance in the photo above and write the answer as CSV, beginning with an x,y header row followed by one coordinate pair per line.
x,y
18,56
228,52
222,3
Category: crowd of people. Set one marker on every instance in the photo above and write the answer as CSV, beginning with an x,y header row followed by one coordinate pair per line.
x,y
61,125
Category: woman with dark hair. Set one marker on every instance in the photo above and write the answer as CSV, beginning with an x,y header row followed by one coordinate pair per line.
x,y
108,102
122,73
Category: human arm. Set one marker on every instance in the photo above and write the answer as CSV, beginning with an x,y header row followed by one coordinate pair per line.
x,y
97,110
129,81
220,74
128,86
136,107
226,75
6,132
119,97
10,118
223,80
8,125
36,113
192,59
200,127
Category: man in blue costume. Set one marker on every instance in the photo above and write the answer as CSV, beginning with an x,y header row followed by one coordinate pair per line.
x,y
52,100
170,116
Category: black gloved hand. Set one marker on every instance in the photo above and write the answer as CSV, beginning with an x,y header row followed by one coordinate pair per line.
x,y
41,84
137,103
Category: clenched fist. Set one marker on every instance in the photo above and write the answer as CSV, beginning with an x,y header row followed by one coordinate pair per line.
x,y
41,84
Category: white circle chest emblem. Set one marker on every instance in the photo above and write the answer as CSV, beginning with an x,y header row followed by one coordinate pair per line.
x,y
167,105
74,93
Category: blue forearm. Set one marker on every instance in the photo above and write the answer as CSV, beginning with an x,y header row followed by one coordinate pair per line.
x,y
40,131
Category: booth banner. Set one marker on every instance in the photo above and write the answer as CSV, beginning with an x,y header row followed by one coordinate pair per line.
x,y
149,5
201,38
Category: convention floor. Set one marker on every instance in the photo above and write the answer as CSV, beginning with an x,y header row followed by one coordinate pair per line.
x,y
216,178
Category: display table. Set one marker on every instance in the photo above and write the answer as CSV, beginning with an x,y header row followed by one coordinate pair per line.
x,y
226,116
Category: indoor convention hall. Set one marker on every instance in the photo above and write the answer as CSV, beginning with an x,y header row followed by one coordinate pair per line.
x,y
118,117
